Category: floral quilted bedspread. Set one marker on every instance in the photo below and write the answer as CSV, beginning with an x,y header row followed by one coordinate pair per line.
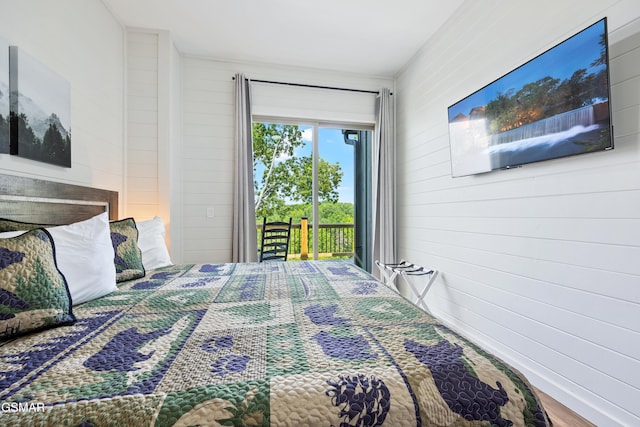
x,y
283,344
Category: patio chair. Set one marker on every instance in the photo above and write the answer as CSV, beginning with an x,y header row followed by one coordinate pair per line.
x,y
275,240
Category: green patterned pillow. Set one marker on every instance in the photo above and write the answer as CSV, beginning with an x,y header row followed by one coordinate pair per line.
x,y
33,293
128,256
11,225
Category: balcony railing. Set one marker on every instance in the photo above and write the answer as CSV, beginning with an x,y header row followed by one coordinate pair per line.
x,y
334,240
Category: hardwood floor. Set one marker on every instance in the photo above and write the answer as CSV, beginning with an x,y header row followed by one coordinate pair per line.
x,y
560,415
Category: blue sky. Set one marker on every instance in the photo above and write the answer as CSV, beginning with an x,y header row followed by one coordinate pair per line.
x,y
331,148
560,62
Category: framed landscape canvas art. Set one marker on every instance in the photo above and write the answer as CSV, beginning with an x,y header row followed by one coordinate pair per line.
x,y
40,105
4,96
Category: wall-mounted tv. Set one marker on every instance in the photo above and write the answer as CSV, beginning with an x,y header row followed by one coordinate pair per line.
x,y
555,105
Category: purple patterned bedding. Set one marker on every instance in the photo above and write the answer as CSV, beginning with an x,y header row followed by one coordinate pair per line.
x,y
283,344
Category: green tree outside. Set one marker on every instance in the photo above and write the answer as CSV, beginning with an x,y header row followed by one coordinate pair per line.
x,y
287,179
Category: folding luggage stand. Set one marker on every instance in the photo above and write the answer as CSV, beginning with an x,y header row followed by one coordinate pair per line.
x,y
408,272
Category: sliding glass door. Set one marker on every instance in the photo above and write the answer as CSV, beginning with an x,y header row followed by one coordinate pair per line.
x,y
361,142
320,177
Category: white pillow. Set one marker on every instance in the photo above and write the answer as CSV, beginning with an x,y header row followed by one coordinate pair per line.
x,y
151,242
84,254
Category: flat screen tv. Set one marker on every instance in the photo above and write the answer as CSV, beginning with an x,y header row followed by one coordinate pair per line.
x,y
555,105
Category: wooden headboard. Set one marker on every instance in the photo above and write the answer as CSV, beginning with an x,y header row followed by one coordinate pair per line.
x,y
47,202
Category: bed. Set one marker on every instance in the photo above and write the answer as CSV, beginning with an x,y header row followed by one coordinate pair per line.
x,y
254,344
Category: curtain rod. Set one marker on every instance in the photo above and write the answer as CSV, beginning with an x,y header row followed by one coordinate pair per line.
x,y
312,86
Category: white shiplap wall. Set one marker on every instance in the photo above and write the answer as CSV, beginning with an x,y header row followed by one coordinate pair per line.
x,y
171,199
86,47
539,264
207,143
142,124
154,114
207,160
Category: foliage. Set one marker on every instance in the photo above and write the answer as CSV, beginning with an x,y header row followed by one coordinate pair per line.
x,y
330,213
53,148
4,134
294,179
287,177
57,146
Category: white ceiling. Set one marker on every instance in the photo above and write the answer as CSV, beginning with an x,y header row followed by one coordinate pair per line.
x,y
371,37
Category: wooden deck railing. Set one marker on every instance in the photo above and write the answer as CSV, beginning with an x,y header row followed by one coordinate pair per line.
x,y
334,240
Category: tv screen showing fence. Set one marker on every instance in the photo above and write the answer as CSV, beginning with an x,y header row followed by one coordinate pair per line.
x,y
555,105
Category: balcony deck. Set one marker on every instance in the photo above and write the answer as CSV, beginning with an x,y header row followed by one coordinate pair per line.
x,y
334,241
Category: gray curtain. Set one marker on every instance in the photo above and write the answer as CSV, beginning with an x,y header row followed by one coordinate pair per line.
x,y
383,175
244,234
